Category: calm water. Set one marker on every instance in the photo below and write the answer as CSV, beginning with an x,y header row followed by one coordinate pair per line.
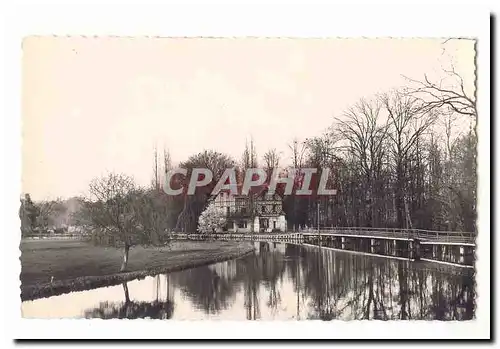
x,y
281,282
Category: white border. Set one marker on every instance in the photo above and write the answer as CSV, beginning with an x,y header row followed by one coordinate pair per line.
x,y
422,20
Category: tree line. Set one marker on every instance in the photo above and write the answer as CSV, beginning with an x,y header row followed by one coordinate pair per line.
x,y
394,167
396,160
42,217
401,159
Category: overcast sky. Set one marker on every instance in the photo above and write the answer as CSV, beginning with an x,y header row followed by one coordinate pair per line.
x,y
95,105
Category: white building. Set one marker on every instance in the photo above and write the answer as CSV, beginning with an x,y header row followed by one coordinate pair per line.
x,y
256,212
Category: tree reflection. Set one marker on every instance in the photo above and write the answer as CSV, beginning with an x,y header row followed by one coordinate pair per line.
x,y
128,309
265,268
273,268
207,287
349,286
214,288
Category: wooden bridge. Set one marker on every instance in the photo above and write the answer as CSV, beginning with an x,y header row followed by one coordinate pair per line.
x,y
425,237
416,242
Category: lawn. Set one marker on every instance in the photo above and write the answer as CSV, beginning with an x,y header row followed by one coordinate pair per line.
x,y
80,265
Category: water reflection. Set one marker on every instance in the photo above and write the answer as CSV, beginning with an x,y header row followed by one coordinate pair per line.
x,y
282,281
157,309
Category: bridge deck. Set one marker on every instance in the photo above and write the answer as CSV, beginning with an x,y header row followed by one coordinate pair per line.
x,y
385,237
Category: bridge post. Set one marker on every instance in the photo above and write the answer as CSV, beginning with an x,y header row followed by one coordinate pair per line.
x,y
416,249
462,254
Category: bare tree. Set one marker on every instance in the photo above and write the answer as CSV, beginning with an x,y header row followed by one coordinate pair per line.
x,y
156,181
253,154
112,210
366,135
154,203
249,157
45,211
449,92
291,202
167,160
271,161
409,120
298,151
321,154
245,158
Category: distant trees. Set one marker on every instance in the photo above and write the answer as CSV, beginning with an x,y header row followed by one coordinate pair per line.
x,y
28,214
453,101
42,215
45,210
460,183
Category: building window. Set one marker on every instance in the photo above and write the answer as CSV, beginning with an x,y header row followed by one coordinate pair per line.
x,y
241,205
263,209
274,208
228,210
274,224
242,224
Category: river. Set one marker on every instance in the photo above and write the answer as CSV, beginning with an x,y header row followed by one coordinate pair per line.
x,y
281,282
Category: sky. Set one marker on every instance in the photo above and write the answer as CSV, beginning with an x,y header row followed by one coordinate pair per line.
x,y
94,105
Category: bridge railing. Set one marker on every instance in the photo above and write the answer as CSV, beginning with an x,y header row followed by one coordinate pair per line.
x,y
422,234
56,237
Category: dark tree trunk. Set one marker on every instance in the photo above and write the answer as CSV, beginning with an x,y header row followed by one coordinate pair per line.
x,y
126,249
125,289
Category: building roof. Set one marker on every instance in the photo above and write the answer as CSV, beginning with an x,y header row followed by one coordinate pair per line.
x,y
256,191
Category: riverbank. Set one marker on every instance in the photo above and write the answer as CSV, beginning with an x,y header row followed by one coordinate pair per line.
x,y
78,266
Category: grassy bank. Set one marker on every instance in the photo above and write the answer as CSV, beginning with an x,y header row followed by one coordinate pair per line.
x,y
77,265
